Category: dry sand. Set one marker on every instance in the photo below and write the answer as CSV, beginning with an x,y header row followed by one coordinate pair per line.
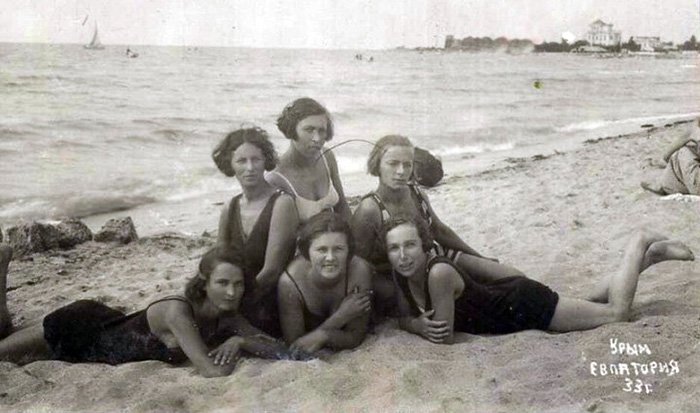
x,y
563,220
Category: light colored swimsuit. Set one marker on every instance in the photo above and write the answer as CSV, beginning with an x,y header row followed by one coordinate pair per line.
x,y
682,173
308,207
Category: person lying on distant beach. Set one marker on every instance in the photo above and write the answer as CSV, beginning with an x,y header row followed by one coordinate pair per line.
x,y
325,294
436,298
315,185
259,225
682,173
172,329
391,160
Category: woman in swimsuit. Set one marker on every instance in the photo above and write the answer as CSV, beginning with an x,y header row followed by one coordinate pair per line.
x,y
391,160
324,296
258,224
305,170
435,298
172,329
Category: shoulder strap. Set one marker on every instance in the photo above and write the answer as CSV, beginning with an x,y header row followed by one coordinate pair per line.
x,y
303,301
382,208
422,203
234,202
285,180
172,297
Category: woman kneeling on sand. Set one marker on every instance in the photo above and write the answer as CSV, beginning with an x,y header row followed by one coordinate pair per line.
x,y
682,173
437,299
391,160
258,225
172,329
324,295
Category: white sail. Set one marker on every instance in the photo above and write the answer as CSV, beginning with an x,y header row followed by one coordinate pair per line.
x,y
95,42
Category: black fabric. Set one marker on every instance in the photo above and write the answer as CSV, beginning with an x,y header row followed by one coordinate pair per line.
x,y
251,249
503,306
311,320
89,331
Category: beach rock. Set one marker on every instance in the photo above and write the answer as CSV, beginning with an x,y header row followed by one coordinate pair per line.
x,y
73,232
42,236
427,168
117,230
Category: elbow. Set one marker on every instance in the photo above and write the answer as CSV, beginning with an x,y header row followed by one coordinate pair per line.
x,y
216,371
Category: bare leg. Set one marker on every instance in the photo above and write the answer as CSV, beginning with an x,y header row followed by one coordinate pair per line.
x,y
575,314
5,319
25,346
655,188
658,251
485,270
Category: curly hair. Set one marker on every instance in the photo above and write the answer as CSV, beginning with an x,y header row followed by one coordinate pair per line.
x,y
223,152
380,148
324,222
298,110
426,238
195,289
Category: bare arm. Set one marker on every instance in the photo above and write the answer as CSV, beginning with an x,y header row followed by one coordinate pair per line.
x,y
280,243
177,318
365,223
444,282
251,339
445,235
291,309
342,206
422,325
223,238
677,144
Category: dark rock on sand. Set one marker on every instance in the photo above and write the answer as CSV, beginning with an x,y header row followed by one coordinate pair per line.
x,y
117,230
41,236
427,168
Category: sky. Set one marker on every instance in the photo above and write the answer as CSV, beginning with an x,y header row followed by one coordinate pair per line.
x,y
347,24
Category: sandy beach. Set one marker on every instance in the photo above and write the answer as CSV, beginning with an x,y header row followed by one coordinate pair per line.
x,y
561,218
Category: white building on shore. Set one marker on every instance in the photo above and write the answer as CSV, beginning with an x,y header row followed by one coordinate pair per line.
x,y
647,43
602,34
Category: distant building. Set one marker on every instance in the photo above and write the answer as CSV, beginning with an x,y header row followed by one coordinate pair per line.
x,y
647,43
602,34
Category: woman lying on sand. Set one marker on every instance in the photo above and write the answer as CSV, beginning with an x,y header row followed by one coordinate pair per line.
x,y
682,173
315,185
172,329
391,160
325,294
437,299
258,225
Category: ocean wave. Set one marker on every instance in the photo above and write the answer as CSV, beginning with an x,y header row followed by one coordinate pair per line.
x,y
602,123
473,149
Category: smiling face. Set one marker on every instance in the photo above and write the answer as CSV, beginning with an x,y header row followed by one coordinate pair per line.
x,y
225,287
328,254
312,133
396,166
405,250
248,163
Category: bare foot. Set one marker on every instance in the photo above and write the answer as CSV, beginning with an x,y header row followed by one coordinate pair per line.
x,y
667,250
653,188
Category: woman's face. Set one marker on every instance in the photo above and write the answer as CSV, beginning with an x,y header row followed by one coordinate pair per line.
x,y
328,254
225,287
405,250
248,163
396,166
312,132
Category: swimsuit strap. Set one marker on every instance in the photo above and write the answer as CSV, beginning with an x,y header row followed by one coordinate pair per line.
x,y
172,297
382,208
425,210
287,181
303,301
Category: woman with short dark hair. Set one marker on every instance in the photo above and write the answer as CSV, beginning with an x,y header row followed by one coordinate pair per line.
x,y
258,224
173,329
325,294
305,169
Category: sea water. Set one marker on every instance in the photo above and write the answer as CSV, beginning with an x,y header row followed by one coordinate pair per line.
x,y
84,132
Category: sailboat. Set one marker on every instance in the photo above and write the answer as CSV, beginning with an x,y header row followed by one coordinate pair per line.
x,y
95,42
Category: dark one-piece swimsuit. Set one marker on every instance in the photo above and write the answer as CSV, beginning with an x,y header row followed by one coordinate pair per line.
x,y
89,331
502,306
251,249
312,321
